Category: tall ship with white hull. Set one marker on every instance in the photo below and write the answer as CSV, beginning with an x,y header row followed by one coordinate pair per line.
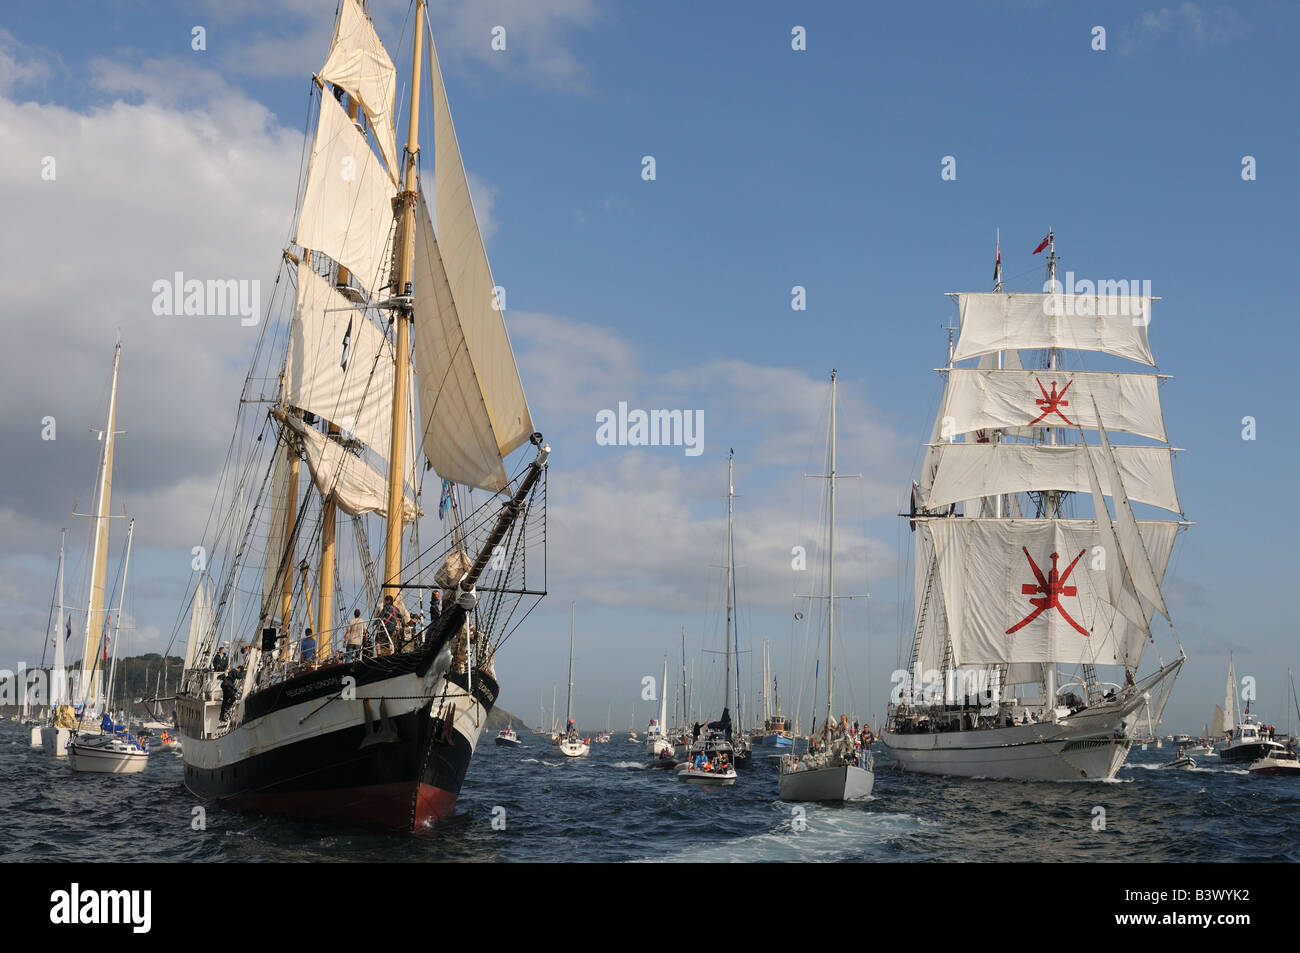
x,y
1031,621
319,681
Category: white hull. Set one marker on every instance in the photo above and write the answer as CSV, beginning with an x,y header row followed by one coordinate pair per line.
x,y
1091,744
37,740
1200,751
54,740
700,776
657,745
845,782
106,756
574,749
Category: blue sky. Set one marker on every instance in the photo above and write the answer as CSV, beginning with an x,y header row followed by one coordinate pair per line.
x,y
774,168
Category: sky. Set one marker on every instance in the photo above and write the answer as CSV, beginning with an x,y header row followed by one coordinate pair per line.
x,y
774,168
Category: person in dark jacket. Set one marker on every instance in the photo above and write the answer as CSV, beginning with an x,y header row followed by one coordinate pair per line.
x,y
219,661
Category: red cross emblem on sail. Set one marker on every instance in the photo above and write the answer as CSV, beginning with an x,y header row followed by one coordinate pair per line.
x,y
1051,589
1053,402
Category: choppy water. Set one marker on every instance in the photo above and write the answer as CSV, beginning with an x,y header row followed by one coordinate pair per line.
x,y
609,807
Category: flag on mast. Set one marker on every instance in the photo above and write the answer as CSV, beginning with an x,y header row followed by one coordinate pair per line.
x,y
1044,243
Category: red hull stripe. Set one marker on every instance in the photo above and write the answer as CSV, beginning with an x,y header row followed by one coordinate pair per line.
x,y
407,806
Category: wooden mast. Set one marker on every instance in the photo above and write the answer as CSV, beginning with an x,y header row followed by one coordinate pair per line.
x,y
402,318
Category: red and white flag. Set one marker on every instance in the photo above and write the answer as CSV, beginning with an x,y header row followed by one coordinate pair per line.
x,y
1044,243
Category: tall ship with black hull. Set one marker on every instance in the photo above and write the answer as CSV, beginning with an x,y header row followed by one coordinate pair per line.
x,y
321,681
1031,618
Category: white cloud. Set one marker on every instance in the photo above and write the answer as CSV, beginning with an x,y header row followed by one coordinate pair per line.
x,y
1189,23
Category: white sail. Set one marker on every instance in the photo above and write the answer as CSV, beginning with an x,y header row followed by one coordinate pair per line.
x,y
1230,699
1005,605
1119,578
58,673
1112,324
347,209
283,495
1131,543
357,487
340,365
200,622
1015,400
970,470
931,617
359,64
472,311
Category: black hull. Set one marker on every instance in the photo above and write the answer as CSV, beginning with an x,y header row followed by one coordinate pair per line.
x,y
1246,753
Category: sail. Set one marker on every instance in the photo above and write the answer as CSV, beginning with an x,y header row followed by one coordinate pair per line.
x,y
459,256
458,363
58,675
1112,324
200,622
340,365
96,616
986,399
931,617
1219,722
1230,699
1031,591
283,496
347,209
970,470
1131,544
359,64
1119,578
357,487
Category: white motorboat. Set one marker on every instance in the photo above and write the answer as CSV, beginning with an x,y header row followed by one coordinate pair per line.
x,y
1277,762
708,773
507,738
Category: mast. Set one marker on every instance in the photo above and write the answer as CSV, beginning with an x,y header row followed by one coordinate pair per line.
x,y
568,707
402,287
686,715
58,681
1053,499
830,641
731,493
90,673
663,699
117,621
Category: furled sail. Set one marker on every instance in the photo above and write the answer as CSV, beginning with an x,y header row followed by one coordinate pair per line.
x,y
357,487
283,495
340,365
982,399
359,64
970,470
472,406
347,210
1113,324
200,621
1230,699
1027,591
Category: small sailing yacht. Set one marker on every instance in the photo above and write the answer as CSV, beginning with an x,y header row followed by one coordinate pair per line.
x,y
833,769
572,745
657,743
112,749
775,732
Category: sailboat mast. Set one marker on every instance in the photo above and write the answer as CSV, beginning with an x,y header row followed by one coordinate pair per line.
x,y
731,493
830,641
686,714
58,680
402,287
117,621
663,698
568,707
91,674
